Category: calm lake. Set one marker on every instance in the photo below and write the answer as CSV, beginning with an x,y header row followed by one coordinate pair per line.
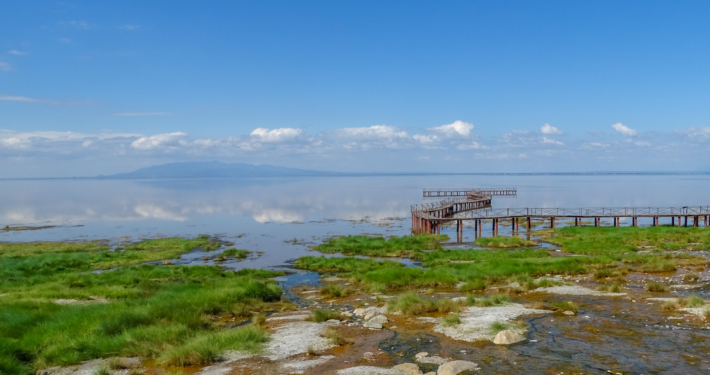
x,y
282,217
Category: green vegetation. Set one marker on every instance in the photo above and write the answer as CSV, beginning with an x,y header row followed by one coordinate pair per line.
x,y
444,257
413,304
323,315
323,264
54,311
611,240
336,337
207,347
451,320
335,291
695,301
379,246
503,241
236,253
495,300
499,326
655,286
563,306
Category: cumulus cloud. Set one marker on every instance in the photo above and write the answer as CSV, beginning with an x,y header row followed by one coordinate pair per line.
x,y
456,128
623,129
373,132
276,135
595,146
162,141
471,146
5,67
549,129
552,141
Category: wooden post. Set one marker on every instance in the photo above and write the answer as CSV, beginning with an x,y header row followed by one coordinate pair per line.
x,y
438,228
552,222
685,222
528,224
695,222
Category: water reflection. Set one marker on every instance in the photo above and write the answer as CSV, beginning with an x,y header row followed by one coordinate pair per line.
x,y
271,211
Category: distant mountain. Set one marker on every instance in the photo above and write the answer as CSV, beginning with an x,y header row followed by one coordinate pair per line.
x,y
215,169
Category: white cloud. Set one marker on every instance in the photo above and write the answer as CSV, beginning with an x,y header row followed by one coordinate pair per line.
x,y
16,52
373,132
642,144
552,141
140,114
5,67
426,139
623,129
165,140
17,98
595,145
695,134
457,127
276,135
471,146
549,129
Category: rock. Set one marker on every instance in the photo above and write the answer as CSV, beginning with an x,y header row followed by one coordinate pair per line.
x,y
507,337
379,319
332,279
359,311
333,321
372,325
456,367
430,373
571,313
408,368
348,314
422,354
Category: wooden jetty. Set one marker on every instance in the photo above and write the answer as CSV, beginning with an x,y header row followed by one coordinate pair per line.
x,y
475,205
431,193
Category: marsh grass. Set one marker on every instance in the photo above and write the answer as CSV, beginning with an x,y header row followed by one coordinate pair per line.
x,y
610,240
656,287
356,265
563,306
320,316
477,284
504,241
495,300
206,347
335,291
413,304
378,246
171,312
236,253
695,301
336,337
499,326
451,320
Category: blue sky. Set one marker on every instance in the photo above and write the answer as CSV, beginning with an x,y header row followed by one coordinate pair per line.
x,y
92,87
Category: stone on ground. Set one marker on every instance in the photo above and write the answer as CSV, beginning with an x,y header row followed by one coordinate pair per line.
x,y
408,368
507,337
379,319
456,367
372,325
370,370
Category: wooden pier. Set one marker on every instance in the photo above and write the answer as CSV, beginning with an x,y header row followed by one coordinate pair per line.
x,y
475,205
433,193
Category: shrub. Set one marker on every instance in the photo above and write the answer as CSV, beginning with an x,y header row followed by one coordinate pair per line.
x,y
323,315
656,287
565,306
207,347
695,301
451,320
336,337
498,326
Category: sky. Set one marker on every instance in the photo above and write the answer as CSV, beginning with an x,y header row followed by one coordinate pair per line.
x,y
90,87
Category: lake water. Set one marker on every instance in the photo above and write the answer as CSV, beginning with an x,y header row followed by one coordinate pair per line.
x,y
268,214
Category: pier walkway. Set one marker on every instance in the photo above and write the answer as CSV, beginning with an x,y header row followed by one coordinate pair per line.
x,y
475,205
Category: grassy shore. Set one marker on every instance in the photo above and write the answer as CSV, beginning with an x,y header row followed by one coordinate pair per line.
x,y
504,241
55,311
394,246
609,253
625,240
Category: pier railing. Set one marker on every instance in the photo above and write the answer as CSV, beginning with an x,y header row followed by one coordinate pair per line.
x,y
485,213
